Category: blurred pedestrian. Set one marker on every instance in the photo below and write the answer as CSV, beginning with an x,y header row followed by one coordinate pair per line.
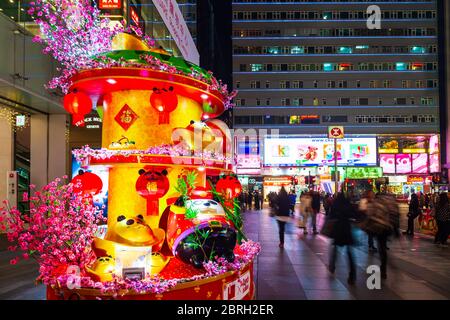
x,y
442,215
249,200
292,201
256,200
379,223
427,200
282,213
413,212
421,200
341,214
367,198
305,209
327,201
315,204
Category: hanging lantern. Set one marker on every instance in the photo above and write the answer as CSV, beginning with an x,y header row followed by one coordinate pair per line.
x,y
164,101
152,185
78,104
229,187
87,183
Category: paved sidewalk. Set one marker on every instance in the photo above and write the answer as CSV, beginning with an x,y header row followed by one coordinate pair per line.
x,y
417,268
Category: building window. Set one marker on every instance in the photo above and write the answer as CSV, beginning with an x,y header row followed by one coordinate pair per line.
x,y
345,50
380,101
238,84
406,83
342,84
363,101
324,101
258,102
315,84
427,101
315,102
387,84
420,84
336,119
267,84
268,102
256,67
344,101
285,84
400,101
400,66
242,67
296,84
358,83
331,84
297,101
327,67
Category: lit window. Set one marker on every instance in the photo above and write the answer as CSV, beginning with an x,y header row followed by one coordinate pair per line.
x,y
345,50
327,67
327,15
400,66
361,47
418,50
294,119
417,66
297,50
256,67
344,67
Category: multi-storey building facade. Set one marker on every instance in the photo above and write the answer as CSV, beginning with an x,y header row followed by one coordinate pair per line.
x,y
301,66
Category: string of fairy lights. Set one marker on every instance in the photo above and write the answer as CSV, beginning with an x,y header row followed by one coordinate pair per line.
x,y
16,119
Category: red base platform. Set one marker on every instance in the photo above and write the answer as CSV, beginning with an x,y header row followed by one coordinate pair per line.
x,y
233,285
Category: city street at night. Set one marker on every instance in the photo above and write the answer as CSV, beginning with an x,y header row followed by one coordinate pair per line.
x,y
225,158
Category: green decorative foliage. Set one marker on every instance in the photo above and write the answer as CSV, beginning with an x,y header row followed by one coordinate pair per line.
x,y
233,215
183,187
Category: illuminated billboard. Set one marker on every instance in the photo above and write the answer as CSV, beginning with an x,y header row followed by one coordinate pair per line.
x,y
297,151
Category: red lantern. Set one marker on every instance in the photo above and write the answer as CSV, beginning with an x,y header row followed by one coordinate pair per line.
x,y
229,186
164,101
89,183
152,185
78,104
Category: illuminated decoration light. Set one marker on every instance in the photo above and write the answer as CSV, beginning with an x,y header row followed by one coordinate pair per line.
x,y
204,96
152,185
165,101
78,104
16,120
111,81
88,183
229,186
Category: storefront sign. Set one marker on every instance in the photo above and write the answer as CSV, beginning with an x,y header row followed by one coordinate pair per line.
x,y
174,21
297,151
336,132
134,16
363,173
388,146
415,179
110,4
420,163
92,122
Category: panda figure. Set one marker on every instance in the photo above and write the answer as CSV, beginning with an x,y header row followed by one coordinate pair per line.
x,y
206,236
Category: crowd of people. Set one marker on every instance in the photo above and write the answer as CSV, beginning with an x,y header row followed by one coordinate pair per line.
x,y
377,214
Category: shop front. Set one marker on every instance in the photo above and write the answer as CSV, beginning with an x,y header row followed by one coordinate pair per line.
x,y
409,162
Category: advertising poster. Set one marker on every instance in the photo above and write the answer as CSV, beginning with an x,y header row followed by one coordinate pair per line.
x,y
100,199
387,162
388,145
434,163
403,163
434,144
420,163
296,151
248,155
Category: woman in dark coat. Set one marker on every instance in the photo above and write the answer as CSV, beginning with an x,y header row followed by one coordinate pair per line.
x,y
282,213
342,212
413,213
